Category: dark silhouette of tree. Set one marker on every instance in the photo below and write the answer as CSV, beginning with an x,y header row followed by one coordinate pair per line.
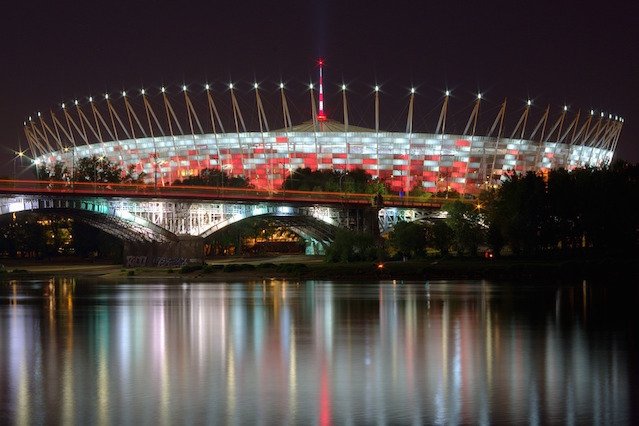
x,y
97,169
568,212
495,220
133,177
522,206
440,236
354,181
351,246
409,238
465,222
56,172
214,177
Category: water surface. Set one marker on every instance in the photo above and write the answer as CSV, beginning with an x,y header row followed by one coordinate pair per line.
x,y
276,352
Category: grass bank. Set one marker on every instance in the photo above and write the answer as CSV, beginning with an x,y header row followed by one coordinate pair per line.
x,y
297,269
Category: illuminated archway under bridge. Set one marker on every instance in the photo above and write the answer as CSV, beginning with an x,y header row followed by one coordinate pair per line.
x,y
180,226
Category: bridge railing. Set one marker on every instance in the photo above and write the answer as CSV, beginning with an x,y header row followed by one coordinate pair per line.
x,y
135,190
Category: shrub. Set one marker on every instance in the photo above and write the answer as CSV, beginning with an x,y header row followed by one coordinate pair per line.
x,y
212,268
291,267
235,267
190,268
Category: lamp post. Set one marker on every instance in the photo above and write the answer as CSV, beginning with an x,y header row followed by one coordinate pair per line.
x,y
69,179
18,154
341,176
155,170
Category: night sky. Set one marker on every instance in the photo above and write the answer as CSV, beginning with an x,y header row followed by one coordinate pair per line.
x,y
582,54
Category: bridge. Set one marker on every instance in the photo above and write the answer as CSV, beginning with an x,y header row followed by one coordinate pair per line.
x,y
174,220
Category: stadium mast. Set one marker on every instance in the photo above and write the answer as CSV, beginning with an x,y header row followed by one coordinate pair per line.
x,y
321,116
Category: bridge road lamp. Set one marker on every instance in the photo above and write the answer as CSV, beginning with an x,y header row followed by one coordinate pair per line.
x,y
18,154
71,172
95,172
341,176
155,171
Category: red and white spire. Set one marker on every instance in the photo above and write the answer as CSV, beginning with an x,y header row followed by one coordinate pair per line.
x,y
321,116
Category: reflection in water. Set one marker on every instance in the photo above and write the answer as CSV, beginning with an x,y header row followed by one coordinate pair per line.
x,y
313,352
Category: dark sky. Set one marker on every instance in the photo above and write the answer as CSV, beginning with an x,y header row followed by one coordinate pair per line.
x,y
583,54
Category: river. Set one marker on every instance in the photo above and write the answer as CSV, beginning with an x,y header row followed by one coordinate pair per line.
x,y
316,352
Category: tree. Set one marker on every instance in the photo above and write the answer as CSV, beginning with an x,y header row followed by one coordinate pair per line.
x,y
440,235
133,177
97,169
409,238
523,211
465,222
351,246
57,171
354,181
495,220
216,178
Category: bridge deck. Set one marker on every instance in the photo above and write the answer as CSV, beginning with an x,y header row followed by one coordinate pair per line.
x,y
201,193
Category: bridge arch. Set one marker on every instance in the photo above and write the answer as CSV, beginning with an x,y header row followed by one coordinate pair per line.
x,y
314,231
97,212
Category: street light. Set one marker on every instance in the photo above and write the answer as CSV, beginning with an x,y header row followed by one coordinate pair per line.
x,y
18,154
341,176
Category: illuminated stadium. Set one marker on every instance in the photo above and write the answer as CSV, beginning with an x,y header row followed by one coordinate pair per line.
x,y
172,134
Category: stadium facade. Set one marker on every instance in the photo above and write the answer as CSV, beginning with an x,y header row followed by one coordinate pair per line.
x,y
170,140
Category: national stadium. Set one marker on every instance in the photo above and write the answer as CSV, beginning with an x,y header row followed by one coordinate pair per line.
x,y
169,136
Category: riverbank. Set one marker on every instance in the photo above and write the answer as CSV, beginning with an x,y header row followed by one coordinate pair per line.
x,y
293,267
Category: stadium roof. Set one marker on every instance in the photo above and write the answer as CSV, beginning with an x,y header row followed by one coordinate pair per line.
x,y
326,126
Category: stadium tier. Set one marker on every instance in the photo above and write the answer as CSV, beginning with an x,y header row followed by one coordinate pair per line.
x,y
170,140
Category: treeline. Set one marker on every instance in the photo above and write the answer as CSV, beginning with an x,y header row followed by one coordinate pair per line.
x,y
354,181
584,211
102,170
34,236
